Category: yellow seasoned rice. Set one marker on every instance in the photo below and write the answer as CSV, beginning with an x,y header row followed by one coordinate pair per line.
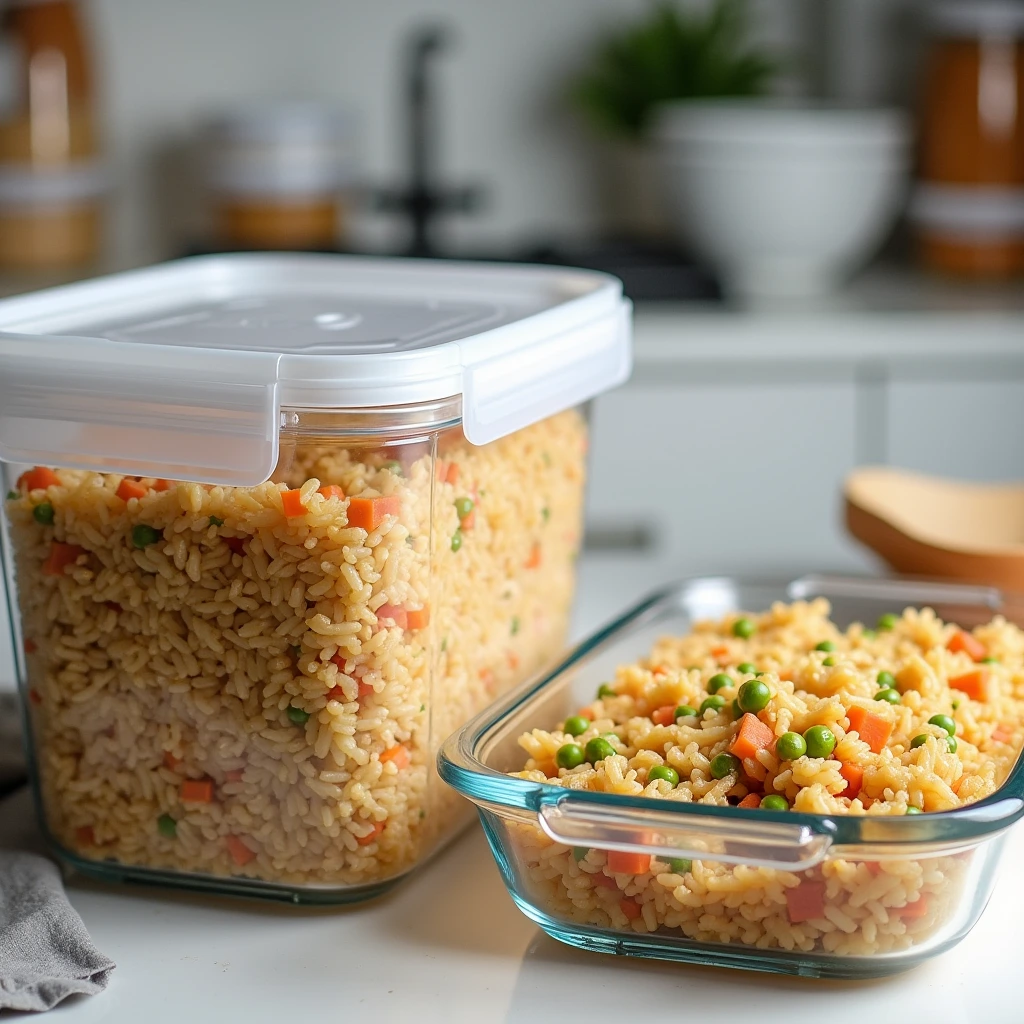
x,y
861,905
258,654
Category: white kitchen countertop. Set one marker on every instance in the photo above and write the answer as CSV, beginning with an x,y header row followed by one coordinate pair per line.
x,y
449,945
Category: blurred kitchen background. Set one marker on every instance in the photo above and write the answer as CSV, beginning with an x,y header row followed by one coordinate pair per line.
x,y
828,268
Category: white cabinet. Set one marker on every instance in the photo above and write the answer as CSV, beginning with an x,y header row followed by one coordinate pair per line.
x,y
966,428
725,478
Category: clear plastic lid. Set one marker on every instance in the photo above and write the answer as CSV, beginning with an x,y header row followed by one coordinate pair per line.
x,y
182,370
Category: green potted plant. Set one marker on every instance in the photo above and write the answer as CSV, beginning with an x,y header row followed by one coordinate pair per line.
x,y
669,54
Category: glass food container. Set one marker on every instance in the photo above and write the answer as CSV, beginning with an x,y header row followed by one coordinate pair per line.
x,y
309,514
539,833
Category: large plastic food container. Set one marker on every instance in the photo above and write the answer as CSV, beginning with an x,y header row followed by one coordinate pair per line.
x,y
292,520
539,832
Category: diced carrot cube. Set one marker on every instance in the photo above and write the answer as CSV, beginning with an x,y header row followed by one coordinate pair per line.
x,y
369,513
197,791
753,736
806,902
38,479
170,761
630,908
533,562
513,660
974,684
1002,734
969,644
365,689
30,646
291,504
129,488
240,853
751,801
873,729
912,911
85,835
376,829
418,618
392,615
398,754
452,475
873,866
665,715
61,556
35,696
600,878
162,484
854,775
332,491
468,521
719,652
628,863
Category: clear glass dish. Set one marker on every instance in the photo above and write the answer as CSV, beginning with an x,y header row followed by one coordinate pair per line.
x,y
539,833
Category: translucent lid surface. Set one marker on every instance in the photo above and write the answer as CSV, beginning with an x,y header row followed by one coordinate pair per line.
x,y
182,370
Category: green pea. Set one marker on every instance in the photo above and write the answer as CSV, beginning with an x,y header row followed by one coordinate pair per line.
x,y
13,495
737,711
604,690
719,681
869,634
714,703
143,536
911,809
954,704
297,716
774,802
598,749
990,661
754,696
943,722
952,744
576,725
569,755
790,745
829,662
685,711
825,645
889,696
725,764
747,668
919,740
579,852
888,621
167,826
886,680
820,740
680,865
514,627
743,628
394,465
216,521
43,514
545,513
463,506
664,771
456,540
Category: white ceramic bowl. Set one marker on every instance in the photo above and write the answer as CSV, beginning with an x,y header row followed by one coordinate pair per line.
x,y
783,200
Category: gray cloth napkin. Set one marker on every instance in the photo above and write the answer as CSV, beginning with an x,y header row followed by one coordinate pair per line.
x,y
46,954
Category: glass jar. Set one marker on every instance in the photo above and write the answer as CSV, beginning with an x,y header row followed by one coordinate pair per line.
x,y
969,205
240,685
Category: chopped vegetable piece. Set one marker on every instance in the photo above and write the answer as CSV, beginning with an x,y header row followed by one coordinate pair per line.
x,y
38,479
774,802
684,711
944,722
85,835
752,737
291,504
576,725
331,491
888,621
790,745
873,729
622,863
35,696
569,756
393,614
1001,734
12,495
974,684
579,852
196,791
725,764
463,506
452,473
545,513
170,761
719,652
680,865
143,535
919,908
43,514
234,775
886,680
162,485
240,853
630,908
969,644
392,465
397,755
514,625
456,540
990,661
598,749
754,696
418,618
369,513
167,826
806,902
750,801
216,521
533,562
747,668
61,556
737,712
719,681
665,772
237,544
297,716
712,703
663,716
604,690
854,775
375,830
128,489
744,628
889,696
820,740
911,809
30,646
825,645
829,662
